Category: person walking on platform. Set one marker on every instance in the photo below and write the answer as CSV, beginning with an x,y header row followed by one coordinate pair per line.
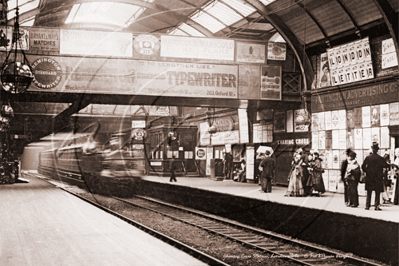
x,y
228,165
386,181
268,166
295,187
172,167
344,165
352,178
374,166
315,180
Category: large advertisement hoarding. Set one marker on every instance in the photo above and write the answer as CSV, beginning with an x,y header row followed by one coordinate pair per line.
x,y
197,48
96,43
120,76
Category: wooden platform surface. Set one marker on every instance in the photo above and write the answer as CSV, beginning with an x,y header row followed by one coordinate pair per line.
x,y
43,225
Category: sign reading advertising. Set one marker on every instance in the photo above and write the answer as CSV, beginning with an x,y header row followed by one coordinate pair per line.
x,y
370,95
251,53
271,83
389,57
100,43
123,76
197,48
350,62
276,51
45,39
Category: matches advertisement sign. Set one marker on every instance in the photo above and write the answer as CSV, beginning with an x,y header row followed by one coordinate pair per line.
x,y
350,62
123,76
197,48
45,39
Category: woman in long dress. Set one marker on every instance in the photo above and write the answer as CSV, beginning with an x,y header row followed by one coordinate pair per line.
x,y
316,171
352,177
295,187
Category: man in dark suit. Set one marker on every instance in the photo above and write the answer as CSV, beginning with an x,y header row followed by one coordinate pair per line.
x,y
344,165
268,166
374,166
172,170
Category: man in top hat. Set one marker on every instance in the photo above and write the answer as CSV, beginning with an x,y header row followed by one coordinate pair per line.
x,y
374,166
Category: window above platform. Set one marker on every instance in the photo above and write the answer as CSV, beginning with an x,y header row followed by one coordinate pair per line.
x,y
112,13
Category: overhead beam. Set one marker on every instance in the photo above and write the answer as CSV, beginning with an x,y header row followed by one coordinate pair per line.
x,y
291,39
82,100
62,118
391,19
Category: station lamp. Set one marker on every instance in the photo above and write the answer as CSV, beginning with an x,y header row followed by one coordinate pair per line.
x,y
16,72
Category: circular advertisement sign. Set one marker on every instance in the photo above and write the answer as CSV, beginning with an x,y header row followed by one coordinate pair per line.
x,y
46,72
200,153
146,44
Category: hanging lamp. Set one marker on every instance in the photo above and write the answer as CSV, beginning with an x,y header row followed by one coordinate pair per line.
x,y
16,72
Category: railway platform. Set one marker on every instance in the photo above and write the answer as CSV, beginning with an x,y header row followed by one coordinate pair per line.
x,y
328,201
321,220
44,225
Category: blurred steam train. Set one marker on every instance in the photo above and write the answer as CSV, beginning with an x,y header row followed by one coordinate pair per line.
x,y
103,164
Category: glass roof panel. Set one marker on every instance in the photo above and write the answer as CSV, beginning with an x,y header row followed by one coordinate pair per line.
x,y
28,22
118,14
23,5
224,13
190,30
208,22
178,32
243,8
266,2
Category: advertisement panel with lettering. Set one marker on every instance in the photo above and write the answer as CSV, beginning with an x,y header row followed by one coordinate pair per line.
x,y
124,76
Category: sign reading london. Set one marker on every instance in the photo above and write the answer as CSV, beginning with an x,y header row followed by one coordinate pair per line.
x,y
46,72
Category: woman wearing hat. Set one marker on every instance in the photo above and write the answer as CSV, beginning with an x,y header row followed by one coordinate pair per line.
x,y
352,177
316,171
295,187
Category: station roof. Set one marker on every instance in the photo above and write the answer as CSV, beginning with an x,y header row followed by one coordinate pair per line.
x,y
310,21
308,26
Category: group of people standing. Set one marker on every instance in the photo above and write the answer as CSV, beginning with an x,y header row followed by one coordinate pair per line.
x,y
376,169
305,178
306,175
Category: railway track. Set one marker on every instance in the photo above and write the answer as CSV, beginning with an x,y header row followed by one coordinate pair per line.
x,y
173,242
275,245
